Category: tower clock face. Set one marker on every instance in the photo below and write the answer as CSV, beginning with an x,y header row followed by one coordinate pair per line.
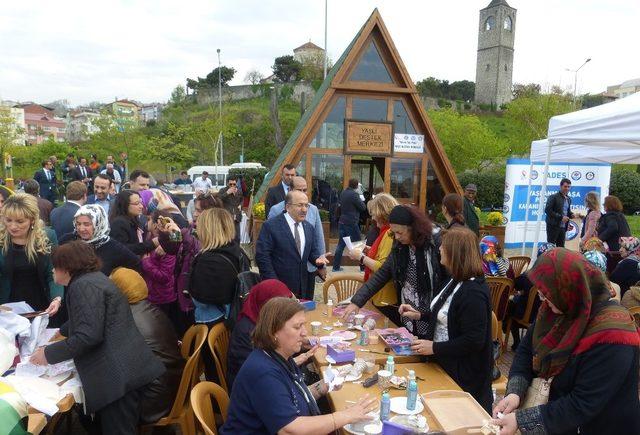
x,y
490,23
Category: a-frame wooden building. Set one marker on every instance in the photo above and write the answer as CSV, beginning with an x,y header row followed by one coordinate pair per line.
x,y
367,121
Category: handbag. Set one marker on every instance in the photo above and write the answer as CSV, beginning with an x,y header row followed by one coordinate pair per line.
x,y
537,393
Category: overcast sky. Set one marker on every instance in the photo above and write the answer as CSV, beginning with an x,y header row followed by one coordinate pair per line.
x,y
86,51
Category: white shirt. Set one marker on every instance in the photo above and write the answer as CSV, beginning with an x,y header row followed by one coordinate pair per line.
x,y
285,187
117,179
292,227
441,332
204,185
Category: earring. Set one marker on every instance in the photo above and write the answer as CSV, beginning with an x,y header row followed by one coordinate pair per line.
x,y
32,227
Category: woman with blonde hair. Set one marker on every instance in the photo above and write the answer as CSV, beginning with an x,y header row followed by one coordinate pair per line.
x,y
380,208
215,268
590,220
25,257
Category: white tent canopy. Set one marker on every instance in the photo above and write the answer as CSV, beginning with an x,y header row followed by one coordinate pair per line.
x,y
609,133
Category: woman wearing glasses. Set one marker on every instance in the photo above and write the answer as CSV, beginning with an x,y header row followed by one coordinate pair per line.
x,y
125,223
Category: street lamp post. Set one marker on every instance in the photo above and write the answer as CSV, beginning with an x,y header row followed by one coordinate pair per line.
x,y
241,152
220,106
575,80
325,39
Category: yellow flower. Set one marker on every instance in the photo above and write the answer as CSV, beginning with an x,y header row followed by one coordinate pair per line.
x,y
259,210
495,218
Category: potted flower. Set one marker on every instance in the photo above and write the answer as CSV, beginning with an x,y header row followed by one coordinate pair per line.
x,y
495,226
259,213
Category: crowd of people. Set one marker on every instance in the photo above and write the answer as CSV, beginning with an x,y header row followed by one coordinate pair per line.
x,y
125,273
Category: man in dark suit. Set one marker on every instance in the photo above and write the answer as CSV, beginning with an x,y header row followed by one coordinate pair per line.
x,y
558,211
83,173
62,217
46,178
101,187
277,193
285,245
351,207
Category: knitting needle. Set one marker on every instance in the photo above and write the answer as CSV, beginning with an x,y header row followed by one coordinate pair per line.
x,y
373,351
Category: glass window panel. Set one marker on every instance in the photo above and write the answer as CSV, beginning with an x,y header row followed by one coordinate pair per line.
x,y
331,132
405,179
401,121
301,169
435,193
371,67
369,109
327,173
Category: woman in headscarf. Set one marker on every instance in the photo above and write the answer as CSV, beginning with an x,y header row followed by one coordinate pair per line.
x,y
240,345
587,344
627,271
599,260
493,261
161,338
593,244
156,199
92,226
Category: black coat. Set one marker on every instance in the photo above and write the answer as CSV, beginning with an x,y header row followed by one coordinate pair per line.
x,y
275,195
125,231
597,391
553,210
626,274
611,226
112,254
468,354
240,347
62,218
213,279
350,207
161,338
394,268
110,355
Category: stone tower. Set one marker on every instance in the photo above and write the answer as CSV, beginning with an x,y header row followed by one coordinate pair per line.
x,y
494,66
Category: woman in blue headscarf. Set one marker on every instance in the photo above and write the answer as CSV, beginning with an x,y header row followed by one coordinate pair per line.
x,y
493,261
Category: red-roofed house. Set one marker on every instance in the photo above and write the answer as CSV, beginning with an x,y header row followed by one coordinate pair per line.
x,y
40,124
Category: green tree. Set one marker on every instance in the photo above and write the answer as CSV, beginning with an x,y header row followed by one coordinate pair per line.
x,y
531,90
173,146
178,95
589,100
211,80
462,90
10,134
286,69
530,116
469,143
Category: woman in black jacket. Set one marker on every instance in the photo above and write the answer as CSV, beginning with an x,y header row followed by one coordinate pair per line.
x,y
126,227
613,225
413,265
459,331
160,336
91,226
113,361
586,344
452,207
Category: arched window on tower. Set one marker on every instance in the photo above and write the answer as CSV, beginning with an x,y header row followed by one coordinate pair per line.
x,y
490,23
505,67
507,23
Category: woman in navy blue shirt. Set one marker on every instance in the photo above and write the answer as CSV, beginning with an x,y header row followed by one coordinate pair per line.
x,y
269,394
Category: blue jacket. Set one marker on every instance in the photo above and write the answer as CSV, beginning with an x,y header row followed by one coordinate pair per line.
x,y
313,217
62,218
47,188
277,256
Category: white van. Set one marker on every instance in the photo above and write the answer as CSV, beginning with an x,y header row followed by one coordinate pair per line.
x,y
220,171
247,165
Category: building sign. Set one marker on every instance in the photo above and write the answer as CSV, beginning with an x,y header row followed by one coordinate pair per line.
x,y
585,177
368,138
408,143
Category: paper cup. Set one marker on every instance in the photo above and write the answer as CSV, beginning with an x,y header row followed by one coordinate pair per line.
x,y
315,327
384,379
359,319
370,324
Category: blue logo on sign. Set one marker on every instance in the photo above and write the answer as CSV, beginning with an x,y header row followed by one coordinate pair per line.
x,y
507,198
572,231
576,175
504,220
590,175
505,209
534,174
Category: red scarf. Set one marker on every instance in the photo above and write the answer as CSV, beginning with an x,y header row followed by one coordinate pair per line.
x,y
260,294
373,251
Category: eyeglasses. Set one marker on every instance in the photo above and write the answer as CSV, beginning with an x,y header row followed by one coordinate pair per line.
x,y
301,205
232,184
135,203
302,190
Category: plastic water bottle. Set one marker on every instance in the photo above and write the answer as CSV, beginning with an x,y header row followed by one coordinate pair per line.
x,y
411,376
330,308
412,395
390,366
385,407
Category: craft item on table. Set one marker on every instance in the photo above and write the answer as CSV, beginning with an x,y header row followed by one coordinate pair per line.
x,y
332,378
40,393
340,355
399,406
28,343
489,428
364,338
359,319
350,372
308,305
329,308
373,428
27,369
14,323
344,335
13,409
327,328
338,312
370,324
315,327
19,307
374,338
411,423
46,336
325,340
398,339
399,382
337,324
384,379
